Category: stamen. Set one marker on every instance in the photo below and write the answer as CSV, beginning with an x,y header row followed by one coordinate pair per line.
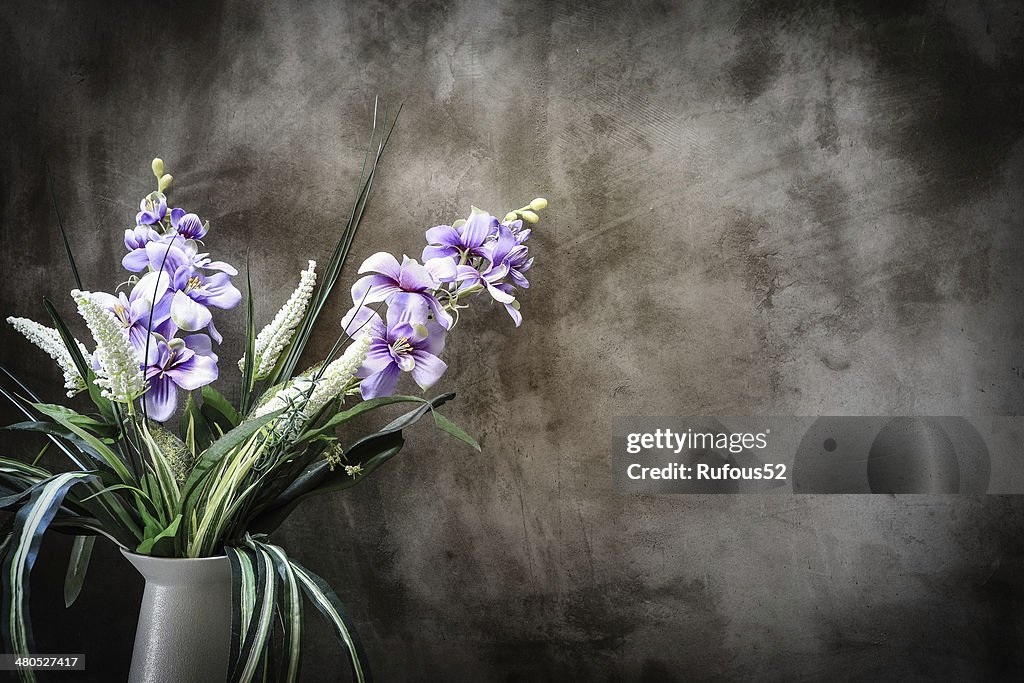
x,y
401,345
193,283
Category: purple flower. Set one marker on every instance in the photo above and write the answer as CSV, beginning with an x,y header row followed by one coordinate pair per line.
x,y
446,241
508,250
409,342
410,277
135,240
518,231
174,364
134,310
188,225
503,254
152,209
193,290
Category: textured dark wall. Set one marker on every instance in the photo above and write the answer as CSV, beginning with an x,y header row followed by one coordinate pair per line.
x,y
781,208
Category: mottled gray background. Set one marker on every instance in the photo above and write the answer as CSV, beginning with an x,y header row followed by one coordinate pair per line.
x,y
786,208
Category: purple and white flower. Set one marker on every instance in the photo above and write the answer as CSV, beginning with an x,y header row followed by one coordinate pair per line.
x,y
409,277
188,225
408,342
469,238
152,209
135,241
194,291
173,364
136,311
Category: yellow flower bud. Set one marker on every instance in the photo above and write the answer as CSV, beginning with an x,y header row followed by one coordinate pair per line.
x,y
158,167
529,216
510,216
539,203
165,181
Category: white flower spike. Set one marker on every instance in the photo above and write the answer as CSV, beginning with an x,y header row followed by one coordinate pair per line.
x,y
273,338
120,371
49,340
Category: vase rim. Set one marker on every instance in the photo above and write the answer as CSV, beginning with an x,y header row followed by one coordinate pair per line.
x,y
129,554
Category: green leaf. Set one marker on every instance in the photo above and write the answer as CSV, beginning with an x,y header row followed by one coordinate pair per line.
x,y
216,402
60,224
249,366
195,431
161,544
446,425
327,602
66,417
78,565
255,605
363,407
222,446
20,555
22,407
370,452
291,605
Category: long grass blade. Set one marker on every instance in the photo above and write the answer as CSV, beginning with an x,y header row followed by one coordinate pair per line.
x,y
327,602
78,565
289,361
60,224
31,416
249,369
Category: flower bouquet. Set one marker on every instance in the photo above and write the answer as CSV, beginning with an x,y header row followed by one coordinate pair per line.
x,y
230,473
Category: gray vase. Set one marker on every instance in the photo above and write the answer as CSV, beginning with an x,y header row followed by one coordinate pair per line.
x,y
184,631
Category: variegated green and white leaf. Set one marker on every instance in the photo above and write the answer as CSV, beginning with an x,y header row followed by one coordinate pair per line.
x,y
30,523
325,600
261,598
291,606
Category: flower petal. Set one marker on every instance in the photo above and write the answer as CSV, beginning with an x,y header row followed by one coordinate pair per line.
x,y
217,336
380,383
136,260
442,316
381,262
161,399
201,344
443,235
196,372
373,288
378,356
518,278
359,320
407,307
501,247
442,269
190,227
151,287
428,370
517,317
434,343
476,229
499,295
221,266
188,314
416,278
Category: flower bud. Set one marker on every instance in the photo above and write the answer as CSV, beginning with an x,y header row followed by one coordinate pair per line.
x,y
509,217
539,203
165,181
529,216
158,167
